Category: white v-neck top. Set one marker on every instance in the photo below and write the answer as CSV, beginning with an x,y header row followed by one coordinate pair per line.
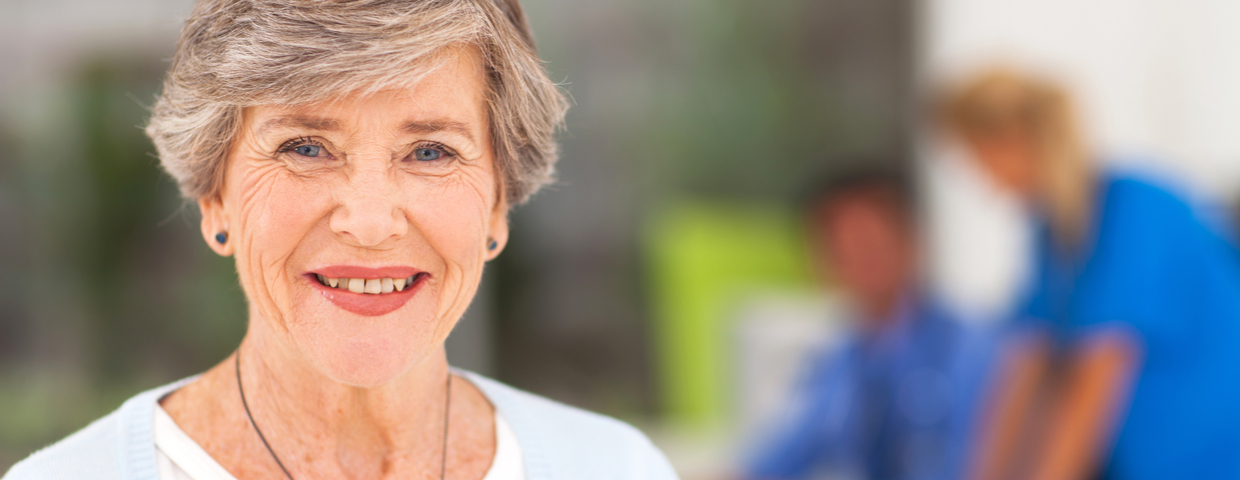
x,y
181,458
558,442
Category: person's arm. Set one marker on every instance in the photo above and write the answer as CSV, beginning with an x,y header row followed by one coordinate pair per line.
x,y
804,432
1096,391
1016,385
1043,430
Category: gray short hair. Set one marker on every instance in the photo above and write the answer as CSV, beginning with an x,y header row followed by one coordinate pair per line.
x,y
234,54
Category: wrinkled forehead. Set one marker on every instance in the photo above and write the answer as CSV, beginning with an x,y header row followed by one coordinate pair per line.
x,y
458,66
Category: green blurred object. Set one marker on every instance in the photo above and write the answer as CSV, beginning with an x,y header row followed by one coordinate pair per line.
x,y
704,256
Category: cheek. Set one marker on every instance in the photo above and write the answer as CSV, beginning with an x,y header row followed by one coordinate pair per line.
x,y
996,163
452,214
278,212
1012,168
283,209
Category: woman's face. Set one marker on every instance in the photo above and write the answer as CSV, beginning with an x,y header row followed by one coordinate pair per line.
x,y
330,208
1011,160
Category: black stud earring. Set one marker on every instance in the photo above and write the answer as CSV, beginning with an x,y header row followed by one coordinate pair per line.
x,y
221,237
493,245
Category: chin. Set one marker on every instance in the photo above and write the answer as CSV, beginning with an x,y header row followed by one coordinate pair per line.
x,y
367,351
368,364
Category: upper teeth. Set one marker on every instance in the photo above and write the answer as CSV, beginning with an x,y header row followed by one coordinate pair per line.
x,y
367,285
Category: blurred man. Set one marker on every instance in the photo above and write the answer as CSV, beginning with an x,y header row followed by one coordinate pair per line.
x,y
895,401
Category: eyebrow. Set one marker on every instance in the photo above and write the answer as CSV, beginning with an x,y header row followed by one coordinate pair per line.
x,y
301,121
435,126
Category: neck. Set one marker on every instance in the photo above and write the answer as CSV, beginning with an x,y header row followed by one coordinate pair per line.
x,y
366,426
288,378
878,313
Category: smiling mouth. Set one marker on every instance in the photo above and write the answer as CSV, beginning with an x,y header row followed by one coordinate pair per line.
x,y
370,286
365,291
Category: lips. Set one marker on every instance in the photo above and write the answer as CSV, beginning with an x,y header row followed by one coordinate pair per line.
x,y
366,301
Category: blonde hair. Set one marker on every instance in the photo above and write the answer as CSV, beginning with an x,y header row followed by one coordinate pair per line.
x,y
1003,101
234,54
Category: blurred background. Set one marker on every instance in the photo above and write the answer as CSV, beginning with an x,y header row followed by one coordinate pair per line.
x,y
667,278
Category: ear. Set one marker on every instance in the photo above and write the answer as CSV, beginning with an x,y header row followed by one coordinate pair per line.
x,y
497,230
214,222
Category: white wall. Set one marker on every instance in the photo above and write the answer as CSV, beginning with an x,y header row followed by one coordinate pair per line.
x,y
1158,83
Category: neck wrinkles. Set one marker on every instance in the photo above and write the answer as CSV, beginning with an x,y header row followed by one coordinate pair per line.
x,y
300,410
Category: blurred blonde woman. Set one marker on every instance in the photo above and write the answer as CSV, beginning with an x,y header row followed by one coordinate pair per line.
x,y
1127,350
358,159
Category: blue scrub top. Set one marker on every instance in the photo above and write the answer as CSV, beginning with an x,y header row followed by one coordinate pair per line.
x,y
896,405
1153,266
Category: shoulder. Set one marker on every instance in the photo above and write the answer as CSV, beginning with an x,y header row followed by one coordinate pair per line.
x,y
1156,207
1143,186
564,443
118,446
91,453
1145,193
1144,216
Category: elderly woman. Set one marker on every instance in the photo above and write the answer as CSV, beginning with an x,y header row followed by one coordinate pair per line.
x,y
358,159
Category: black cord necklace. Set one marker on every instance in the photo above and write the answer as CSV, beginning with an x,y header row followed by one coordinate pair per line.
x,y
447,404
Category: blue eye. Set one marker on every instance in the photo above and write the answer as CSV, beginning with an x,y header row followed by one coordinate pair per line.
x,y
307,150
426,154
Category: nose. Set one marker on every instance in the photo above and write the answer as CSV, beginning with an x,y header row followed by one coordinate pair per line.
x,y
369,213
